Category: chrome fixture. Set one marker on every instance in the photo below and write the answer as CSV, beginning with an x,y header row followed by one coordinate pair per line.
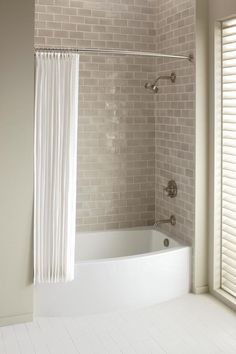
x,y
171,220
171,189
116,52
153,86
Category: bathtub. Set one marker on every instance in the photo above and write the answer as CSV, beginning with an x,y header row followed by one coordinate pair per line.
x,y
118,270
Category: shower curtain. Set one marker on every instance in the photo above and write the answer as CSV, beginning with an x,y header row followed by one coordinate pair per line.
x,y
56,115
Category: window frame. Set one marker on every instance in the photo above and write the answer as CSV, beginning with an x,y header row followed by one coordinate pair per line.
x,y
215,175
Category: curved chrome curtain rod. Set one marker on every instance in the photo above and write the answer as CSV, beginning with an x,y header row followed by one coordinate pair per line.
x,y
116,52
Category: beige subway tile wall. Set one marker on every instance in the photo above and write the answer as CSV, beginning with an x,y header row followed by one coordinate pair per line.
x,y
175,117
116,134
130,141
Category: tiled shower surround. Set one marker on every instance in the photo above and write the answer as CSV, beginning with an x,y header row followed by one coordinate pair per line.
x,y
130,141
175,117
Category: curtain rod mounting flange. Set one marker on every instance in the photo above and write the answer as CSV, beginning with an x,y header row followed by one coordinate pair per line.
x,y
191,57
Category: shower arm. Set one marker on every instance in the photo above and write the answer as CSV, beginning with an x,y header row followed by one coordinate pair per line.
x,y
171,77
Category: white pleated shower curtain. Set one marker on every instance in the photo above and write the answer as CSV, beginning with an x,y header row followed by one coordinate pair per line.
x,y
56,116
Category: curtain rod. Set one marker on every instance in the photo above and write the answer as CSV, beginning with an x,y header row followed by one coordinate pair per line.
x,y
116,52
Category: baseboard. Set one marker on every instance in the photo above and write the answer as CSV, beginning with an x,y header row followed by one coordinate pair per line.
x,y
6,321
200,290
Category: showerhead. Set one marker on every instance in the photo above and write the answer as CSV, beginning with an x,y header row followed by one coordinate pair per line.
x,y
152,87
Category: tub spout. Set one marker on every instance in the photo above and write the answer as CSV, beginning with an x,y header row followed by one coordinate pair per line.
x,y
171,220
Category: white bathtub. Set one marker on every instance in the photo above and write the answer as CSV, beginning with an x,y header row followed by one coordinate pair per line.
x,y
117,270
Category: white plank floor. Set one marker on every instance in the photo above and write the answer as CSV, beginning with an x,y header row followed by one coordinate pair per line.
x,y
190,324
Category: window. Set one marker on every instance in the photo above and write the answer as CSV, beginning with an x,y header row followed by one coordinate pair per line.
x,y
228,160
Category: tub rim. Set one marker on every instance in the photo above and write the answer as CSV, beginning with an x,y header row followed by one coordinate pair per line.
x,y
133,256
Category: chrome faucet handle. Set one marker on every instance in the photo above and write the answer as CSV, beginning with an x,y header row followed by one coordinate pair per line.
x,y
171,189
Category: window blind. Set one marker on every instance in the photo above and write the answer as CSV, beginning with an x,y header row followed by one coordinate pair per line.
x,y
228,178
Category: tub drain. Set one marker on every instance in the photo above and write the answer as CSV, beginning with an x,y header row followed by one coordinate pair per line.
x,y
166,242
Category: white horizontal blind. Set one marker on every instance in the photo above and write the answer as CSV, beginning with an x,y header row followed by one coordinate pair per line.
x,y
228,229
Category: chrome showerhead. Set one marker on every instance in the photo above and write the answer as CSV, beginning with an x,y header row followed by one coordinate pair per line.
x,y
152,87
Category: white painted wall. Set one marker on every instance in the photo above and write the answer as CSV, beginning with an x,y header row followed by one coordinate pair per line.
x,y
218,10
16,159
200,262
